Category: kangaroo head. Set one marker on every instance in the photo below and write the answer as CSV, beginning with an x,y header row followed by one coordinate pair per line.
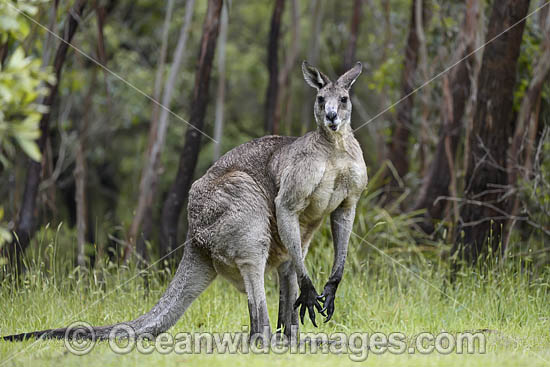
x,y
332,106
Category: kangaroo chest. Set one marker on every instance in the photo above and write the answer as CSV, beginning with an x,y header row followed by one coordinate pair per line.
x,y
341,178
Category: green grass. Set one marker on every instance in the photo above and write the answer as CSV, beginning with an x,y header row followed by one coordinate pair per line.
x,y
381,297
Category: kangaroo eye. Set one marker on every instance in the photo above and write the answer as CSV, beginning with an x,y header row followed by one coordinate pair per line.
x,y
344,99
321,99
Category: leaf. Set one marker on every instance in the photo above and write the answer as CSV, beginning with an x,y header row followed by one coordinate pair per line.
x,y
30,147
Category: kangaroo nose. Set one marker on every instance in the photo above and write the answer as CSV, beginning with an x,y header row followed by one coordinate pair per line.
x,y
331,115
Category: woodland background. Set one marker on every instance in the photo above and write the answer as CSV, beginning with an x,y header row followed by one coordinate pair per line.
x,y
97,153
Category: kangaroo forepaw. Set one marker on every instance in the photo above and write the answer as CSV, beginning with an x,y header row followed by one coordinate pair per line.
x,y
328,301
308,299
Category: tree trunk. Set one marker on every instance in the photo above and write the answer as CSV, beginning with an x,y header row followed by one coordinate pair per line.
x,y
424,108
285,82
483,212
519,161
220,97
80,174
349,56
397,150
271,125
316,27
25,226
437,182
101,13
190,152
160,69
157,137
316,8
80,177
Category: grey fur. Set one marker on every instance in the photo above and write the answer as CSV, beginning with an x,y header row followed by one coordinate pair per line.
x,y
257,209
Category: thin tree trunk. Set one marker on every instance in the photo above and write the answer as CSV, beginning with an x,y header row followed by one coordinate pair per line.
x,y
220,95
316,27
101,14
80,177
387,27
483,212
190,152
425,129
349,56
4,47
25,225
532,139
379,138
285,82
397,150
271,125
437,182
474,90
313,58
159,76
157,137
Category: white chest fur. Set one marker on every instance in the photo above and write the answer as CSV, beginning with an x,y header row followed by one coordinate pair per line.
x,y
341,179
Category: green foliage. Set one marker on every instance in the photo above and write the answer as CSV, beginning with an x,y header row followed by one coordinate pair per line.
x,y
21,85
387,75
12,23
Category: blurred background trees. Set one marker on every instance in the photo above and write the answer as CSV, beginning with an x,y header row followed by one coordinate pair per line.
x,y
97,148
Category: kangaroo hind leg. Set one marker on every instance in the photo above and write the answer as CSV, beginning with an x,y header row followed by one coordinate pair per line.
x,y
253,277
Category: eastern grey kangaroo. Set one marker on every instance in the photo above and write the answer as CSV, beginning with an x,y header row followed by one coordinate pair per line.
x,y
257,208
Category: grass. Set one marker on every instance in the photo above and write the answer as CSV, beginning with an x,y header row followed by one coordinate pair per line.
x,y
399,289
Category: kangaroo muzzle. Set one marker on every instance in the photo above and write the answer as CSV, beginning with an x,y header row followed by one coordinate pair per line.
x,y
331,118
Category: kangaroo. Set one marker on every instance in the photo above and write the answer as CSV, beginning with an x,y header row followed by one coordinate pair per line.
x,y
257,209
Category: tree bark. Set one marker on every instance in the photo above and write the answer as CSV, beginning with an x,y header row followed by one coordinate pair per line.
x,y
519,161
190,152
220,97
25,224
424,107
157,137
349,56
285,82
80,177
397,150
483,212
436,183
316,8
271,125
316,27
102,11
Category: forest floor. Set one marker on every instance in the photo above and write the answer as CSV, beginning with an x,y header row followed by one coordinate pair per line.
x,y
509,311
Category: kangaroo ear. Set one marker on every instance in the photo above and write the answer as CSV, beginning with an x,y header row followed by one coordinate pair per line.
x,y
349,77
314,77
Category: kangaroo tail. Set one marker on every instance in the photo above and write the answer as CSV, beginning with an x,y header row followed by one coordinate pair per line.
x,y
195,272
